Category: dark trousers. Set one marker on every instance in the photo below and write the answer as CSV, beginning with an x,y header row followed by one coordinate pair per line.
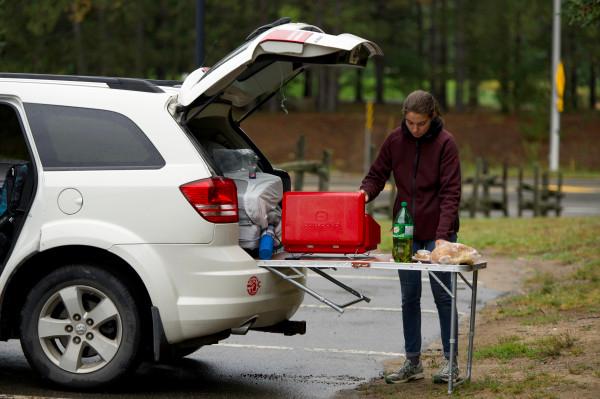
x,y
410,283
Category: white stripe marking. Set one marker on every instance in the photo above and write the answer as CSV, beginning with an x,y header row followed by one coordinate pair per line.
x,y
355,352
376,309
328,350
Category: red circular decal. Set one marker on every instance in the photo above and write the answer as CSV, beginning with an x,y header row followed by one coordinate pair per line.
x,y
253,285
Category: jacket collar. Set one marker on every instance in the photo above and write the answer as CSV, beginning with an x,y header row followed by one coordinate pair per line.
x,y
434,129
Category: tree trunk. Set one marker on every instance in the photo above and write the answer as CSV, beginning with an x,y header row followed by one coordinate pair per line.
x,y
570,95
139,41
433,54
592,85
320,73
79,52
504,70
379,84
104,41
308,83
333,86
443,56
473,92
504,90
572,85
323,77
333,89
460,56
517,75
420,43
358,87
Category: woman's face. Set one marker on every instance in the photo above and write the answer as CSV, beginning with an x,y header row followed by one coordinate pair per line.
x,y
417,124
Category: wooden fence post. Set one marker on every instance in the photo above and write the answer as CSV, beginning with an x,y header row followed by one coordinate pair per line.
x,y
558,194
544,194
474,198
324,171
299,174
520,193
504,188
536,190
486,182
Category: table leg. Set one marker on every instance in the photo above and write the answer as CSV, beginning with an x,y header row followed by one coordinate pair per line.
x,y
453,324
472,325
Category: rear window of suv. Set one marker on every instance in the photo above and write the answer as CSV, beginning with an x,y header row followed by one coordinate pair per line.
x,y
83,138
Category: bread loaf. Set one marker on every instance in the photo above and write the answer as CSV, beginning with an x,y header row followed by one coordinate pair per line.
x,y
453,253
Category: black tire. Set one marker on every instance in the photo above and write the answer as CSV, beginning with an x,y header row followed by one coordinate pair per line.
x,y
76,351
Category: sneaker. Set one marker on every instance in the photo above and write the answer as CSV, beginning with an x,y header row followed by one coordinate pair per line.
x,y
443,375
408,372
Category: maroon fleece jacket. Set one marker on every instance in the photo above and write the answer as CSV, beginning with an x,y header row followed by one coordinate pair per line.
x,y
427,175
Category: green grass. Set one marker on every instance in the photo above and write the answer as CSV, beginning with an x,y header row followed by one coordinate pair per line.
x,y
512,347
534,384
565,239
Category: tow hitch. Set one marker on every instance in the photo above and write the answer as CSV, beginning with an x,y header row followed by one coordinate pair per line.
x,y
286,327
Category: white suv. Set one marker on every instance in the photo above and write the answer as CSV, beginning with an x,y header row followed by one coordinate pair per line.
x,y
119,235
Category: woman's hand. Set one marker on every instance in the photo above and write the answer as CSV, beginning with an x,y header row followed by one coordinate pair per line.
x,y
365,194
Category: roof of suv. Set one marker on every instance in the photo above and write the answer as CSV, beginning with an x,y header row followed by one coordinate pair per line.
x,y
143,85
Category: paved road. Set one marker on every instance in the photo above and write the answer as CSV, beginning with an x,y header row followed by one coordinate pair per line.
x,y
338,352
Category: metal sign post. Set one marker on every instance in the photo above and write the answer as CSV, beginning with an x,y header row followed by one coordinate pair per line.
x,y
558,85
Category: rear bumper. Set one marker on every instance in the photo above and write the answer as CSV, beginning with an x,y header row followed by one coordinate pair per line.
x,y
200,290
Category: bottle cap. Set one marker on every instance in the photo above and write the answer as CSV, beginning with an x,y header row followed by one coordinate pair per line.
x,y
403,203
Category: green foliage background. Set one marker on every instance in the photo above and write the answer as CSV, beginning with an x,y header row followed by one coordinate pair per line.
x,y
450,47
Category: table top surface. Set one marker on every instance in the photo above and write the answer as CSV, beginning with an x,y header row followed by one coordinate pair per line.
x,y
373,261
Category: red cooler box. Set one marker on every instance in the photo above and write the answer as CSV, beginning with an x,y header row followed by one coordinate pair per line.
x,y
328,222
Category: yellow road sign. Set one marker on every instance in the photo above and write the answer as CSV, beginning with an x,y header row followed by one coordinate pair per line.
x,y
560,86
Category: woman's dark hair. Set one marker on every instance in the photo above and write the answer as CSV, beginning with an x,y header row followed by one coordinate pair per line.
x,y
421,102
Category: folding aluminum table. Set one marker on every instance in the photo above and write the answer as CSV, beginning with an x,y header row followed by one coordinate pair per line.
x,y
290,268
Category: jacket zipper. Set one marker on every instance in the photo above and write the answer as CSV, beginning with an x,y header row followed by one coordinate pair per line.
x,y
414,181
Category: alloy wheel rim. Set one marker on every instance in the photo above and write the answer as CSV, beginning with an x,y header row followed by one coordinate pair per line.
x,y
80,329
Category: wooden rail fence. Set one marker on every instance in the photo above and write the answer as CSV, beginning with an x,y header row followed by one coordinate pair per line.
x,y
485,201
300,166
537,196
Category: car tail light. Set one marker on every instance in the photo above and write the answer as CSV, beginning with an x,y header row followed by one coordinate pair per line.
x,y
215,199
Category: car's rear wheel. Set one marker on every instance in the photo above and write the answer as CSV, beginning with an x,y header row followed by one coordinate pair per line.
x,y
80,327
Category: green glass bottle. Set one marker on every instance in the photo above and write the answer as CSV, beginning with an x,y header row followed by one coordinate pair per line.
x,y
402,233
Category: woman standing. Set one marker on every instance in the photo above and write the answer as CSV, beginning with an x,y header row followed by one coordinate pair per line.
x,y
423,157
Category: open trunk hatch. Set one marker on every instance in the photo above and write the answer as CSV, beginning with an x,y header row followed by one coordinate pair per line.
x,y
266,62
